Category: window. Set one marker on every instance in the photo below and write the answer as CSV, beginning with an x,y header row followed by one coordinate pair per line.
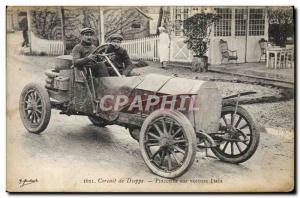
x,y
223,25
181,13
240,22
256,22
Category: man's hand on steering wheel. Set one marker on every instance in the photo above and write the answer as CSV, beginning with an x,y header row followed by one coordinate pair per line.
x,y
92,57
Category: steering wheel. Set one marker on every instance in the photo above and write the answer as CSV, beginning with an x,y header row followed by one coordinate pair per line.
x,y
101,55
100,49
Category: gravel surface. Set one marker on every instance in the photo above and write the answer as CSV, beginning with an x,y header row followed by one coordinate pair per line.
x,y
274,115
228,88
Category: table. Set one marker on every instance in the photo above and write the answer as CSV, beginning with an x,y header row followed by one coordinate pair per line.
x,y
275,51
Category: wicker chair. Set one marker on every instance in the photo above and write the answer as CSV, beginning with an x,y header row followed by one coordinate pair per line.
x,y
226,53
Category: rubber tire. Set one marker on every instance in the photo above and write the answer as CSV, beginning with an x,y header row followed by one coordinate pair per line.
x,y
97,121
190,134
255,137
46,106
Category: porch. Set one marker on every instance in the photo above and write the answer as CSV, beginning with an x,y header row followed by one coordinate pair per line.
x,y
253,70
256,70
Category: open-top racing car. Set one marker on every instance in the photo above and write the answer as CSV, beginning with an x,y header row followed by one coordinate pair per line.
x,y
171,117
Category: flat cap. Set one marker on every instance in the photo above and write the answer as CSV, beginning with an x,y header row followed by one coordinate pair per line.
x,y
116,36
85,30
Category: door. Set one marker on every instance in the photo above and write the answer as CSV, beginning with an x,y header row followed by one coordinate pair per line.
x,y
179,51
240,16
232,28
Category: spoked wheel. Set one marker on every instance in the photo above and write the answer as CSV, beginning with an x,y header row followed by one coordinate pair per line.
x,y
168,143
238,136
35,108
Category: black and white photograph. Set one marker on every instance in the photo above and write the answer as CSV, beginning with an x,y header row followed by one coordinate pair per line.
x,y
150,98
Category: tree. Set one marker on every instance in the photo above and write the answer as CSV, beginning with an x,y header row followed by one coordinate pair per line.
x,y
197,30
46,23
160,17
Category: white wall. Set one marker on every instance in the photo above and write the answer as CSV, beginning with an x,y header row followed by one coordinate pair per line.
x,y
234,43
238,43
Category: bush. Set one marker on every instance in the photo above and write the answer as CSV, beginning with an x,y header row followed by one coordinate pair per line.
x,y
197,30
278,33
281,24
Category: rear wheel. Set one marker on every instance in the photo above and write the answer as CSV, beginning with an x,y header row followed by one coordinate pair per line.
x,y
167,143
35,108
238,136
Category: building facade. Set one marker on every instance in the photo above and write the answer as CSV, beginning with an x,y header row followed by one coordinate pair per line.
x,y
132,23
13,18
241,27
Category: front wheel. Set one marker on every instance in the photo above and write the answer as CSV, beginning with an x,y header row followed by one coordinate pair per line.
x,y
35,108
238,135
168,143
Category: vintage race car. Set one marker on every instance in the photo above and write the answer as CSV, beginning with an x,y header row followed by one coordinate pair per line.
x,y
171,117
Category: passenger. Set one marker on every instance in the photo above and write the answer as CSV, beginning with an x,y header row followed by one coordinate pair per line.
x,y
121,59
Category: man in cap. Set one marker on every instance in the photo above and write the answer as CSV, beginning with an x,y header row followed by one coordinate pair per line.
x,y
82,54
121,59
23,24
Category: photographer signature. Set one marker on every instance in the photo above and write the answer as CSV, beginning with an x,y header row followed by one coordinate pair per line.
x,y
24,182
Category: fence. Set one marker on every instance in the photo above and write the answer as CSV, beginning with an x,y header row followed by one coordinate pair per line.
x,y
49,47
142,49
147,49
138,49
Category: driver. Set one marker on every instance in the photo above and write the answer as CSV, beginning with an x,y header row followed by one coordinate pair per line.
x,y
82,54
